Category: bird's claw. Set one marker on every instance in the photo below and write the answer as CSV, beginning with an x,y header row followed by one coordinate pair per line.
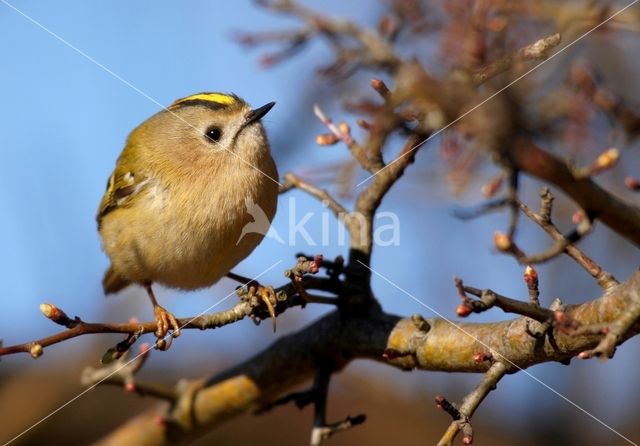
x,y
267,295
165,321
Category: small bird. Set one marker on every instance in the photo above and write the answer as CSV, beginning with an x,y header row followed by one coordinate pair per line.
x,y
174,208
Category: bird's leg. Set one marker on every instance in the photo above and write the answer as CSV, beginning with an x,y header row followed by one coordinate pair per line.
x,y
240,279
164,319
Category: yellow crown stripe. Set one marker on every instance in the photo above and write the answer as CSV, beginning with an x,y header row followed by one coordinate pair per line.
x,y
218,98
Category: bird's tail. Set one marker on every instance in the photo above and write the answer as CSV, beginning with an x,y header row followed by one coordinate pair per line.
x,y
113,282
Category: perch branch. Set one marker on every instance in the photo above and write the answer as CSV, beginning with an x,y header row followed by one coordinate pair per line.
x,y
286,295
265,377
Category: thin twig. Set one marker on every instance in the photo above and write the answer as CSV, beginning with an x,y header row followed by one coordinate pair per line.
x,y
471,402
535,51
325,198
209,321
604,279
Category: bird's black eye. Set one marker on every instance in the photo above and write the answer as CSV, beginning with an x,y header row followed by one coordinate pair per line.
x,y
214,134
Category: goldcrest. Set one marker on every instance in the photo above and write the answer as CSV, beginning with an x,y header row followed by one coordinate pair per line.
x,y
175,205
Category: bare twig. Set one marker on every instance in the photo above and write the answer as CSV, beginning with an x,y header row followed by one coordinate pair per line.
x,y
321,429
294,181
489,299
624,218
543,219
538,50
287,297
343,134
266,376
353,46
470,403
122,373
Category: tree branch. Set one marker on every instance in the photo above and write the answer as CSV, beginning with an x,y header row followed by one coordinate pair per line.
x,y
408,343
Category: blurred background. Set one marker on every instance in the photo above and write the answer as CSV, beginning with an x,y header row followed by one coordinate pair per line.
x,y
64,120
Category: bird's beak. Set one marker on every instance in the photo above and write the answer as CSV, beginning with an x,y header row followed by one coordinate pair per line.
x,y
258,113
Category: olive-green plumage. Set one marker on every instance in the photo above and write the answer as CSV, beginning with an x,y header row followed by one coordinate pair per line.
x,y
175,205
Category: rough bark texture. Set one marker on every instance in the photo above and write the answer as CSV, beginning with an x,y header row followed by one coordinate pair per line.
x,y
293,359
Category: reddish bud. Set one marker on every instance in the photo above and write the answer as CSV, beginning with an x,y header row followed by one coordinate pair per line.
x,y
502,241
492,186
467,439
632,183
316,263
578,217
531,277
133,320
363,124
160,420
607,159
379,86
145,347
440,401
130,387
530,274
326,139
464,310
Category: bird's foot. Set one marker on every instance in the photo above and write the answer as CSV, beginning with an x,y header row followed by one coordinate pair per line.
x,y
268,296
165,321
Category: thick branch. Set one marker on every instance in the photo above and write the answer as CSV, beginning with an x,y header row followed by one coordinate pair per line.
x,y
434,344
622,217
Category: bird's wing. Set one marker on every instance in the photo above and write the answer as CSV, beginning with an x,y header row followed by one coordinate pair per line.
x,y
124,184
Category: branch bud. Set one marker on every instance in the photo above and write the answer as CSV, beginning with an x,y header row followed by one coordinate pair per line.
x,y
326,139
379,86
363,124
578,217
344,128
36,351
607,159
55,314
632,183
463,310
531,277
492,186
502,241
